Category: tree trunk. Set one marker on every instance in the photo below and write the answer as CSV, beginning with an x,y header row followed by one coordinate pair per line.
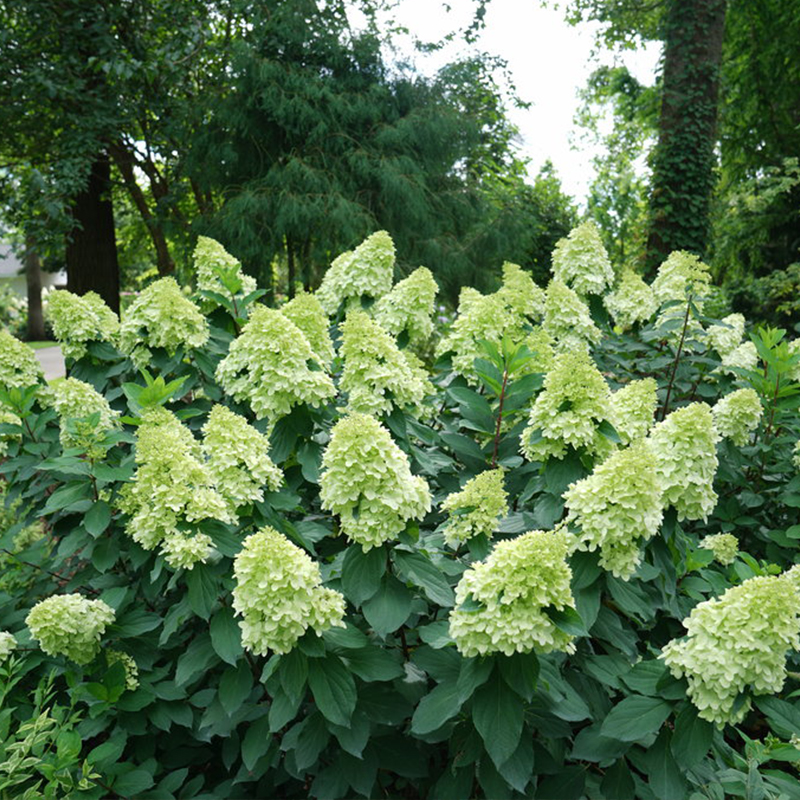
x,y
92,248
33,279
683,163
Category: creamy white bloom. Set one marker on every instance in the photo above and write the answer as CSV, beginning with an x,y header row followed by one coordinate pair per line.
x,y
737,415
477,508
308,314
75,401
19,366
745,356
520,293
725,546
408,307
77,320
8,643
726,338
567,319
580,260
632,301
633,409
211,258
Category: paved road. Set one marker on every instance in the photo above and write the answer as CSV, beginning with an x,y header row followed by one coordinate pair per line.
x,y
52,362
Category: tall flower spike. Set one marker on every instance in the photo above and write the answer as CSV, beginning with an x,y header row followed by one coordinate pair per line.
x,y
727,337
567,318
367,271
632,301
737,415
575,400
520,293
77,320
271,366
516,583
70,625
617,508
8,643
477,508
376,375
580,260
19,366
305,311
278,594
367,481
161,316
74,401
686,457
680,274
172,486
725,547
409,307
209,256
737,643
238,458
633,409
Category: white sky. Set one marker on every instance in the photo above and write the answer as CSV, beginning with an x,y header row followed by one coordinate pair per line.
x,y
549,60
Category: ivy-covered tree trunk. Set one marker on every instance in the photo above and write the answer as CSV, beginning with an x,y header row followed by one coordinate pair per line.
x,y
92,248
683,165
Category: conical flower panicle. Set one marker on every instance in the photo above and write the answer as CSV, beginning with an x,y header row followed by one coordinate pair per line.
x,y
75,400
567,319
477,508
520,293
727,337
632,301
305,311
209,256
725,547
634,408
580,260
409,307
77,320
737,415
19,366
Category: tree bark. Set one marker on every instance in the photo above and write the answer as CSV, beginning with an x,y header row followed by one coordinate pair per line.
x,y
92,248
683,163
33,279
124,161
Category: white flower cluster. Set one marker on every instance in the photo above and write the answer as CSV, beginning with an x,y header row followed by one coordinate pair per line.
x,y
725,546
477,508
238,458
8,418
519,292
580,260
575,400
567,319
679,275
543,354
632,301
128,664
367,481
745,356
633,409
617,508
305,311
70,625
271,365
514,585
735,643
172,485
796,455
278,594
19,366
737,415
376,375
794,350
75,401
409,307
8,643
161,316
77,320
725,338
686,457
367,271
209,257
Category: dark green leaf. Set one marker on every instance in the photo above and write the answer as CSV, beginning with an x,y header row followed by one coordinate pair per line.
x,y
419,570
442,704
333,688
226,637
498,715
389,608
97,518
362,572
635,717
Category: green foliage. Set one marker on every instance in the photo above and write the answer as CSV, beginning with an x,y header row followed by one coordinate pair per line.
x,y
319,631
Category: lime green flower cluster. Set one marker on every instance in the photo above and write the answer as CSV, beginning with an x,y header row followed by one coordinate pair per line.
x,y
8,418
172,485
796,455
19,366
745,356
475,509
128,664
679,275
367,481
305,311
567,318
70,625
617,508
278,594
77,320
367,271
8,643
686,457
271,365
516,583
726,337
632,301
737,415
377,376
542,347
633,409
576,398
238,458
725,546
735,643
210,256
76,401
581,261
409,307
519,292
794,350
161,316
